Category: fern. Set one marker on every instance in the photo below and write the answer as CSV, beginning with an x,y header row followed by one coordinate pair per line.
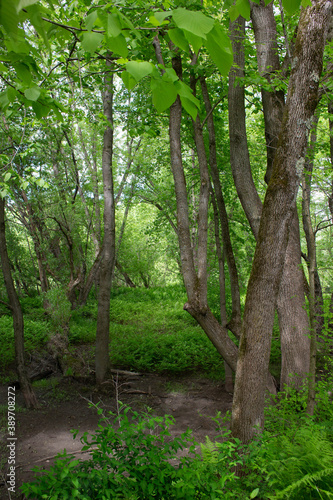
x,y
210,453
308,480
302,464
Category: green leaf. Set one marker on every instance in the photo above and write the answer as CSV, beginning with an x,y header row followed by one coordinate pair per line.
x,y
160,16
7,176
291,6
194,22
36,20
185,91
90,41
23,72
189,107
25,3
139,69
178,38
306,3
219,47
128,80
118,45
32,94
113,25
90,20
11,94
40,109
243,7
8,16
194,40
233,13
164,94
170,75
254,493
4,101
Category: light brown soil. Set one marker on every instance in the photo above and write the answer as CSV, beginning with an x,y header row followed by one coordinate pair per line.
x,y
64,405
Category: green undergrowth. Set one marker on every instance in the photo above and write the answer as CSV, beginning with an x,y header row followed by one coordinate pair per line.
x,y
149,332
134,456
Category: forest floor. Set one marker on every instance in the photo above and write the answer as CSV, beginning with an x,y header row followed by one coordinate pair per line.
x,y
65,404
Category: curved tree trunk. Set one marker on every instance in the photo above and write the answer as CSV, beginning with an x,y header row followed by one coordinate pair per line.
x,y
277,214
108,259
28,393
293,320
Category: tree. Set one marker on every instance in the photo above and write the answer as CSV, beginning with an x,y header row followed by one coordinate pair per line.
x,y
108,261
302,99
28,393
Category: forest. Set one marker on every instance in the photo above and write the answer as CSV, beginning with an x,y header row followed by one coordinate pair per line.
x,y
166,210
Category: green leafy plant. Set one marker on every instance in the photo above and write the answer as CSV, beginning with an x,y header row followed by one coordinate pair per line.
x,y
131,457
59,309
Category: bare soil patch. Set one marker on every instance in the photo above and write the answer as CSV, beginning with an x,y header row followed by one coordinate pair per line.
x,y
64,405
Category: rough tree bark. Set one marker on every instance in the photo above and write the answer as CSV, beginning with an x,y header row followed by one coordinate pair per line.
x,y
28,393
108,259
302,99
293,320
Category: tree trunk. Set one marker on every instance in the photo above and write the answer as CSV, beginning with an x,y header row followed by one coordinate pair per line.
x,y
264,26
196,285
293,320
108,260
228,380
234,324
311,246
277,214
28,393
239,153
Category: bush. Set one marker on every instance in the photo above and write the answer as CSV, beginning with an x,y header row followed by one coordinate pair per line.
x,y
132,457
36,334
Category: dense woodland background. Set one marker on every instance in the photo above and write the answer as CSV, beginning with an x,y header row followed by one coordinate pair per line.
x,y
173,146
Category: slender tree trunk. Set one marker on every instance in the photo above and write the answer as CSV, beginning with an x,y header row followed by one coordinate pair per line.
x,y
28,393
239,153
195,285
311,246
277,214
228,381
264,26
234,324
108,260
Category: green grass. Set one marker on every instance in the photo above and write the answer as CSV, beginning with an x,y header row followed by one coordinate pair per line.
x,y
149,332
36,334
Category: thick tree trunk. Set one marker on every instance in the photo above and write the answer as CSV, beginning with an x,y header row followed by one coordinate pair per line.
x,y
277,214
28,393
108,260
293,320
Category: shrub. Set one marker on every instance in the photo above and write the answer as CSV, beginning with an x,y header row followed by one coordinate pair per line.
x,y
132,457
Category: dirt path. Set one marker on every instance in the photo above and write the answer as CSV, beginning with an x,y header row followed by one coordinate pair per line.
x,y
64,405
